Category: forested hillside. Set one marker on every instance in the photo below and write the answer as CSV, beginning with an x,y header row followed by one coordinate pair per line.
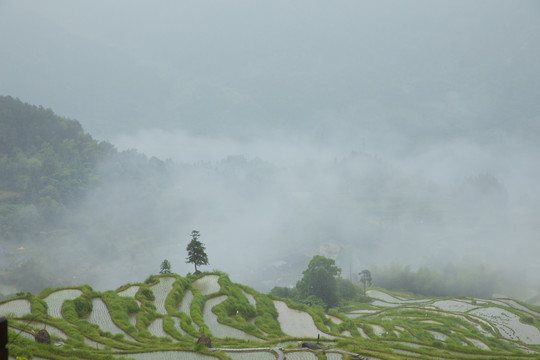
x,y
49,168
47,163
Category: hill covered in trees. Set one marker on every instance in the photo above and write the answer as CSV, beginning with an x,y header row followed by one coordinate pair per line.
x,y
47,164
49,167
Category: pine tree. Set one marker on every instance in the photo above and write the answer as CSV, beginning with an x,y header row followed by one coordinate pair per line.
x,y
195,249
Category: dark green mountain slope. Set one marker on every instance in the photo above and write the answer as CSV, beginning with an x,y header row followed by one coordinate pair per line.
x,y
46,165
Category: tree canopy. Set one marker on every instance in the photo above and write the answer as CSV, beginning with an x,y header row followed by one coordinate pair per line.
x,y
320,280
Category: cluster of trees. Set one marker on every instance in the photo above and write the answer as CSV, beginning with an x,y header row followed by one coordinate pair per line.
x,y
464,279
322,285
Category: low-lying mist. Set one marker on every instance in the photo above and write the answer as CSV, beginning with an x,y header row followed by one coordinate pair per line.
x,y
373,132
265,210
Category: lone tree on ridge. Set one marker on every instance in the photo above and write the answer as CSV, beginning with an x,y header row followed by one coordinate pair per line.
x,y
165,267
195,249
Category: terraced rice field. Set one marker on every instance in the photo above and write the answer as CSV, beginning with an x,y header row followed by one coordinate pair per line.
x,y
454,305
378,330
333,356
94,344
362,333
478,344
391,299
156,329
207,284
168,355
101,317
130,291
407,328
517,306
178,326
132,318
161,291
185,306
471,311
438,335
297,323
334,319
18,307
218,329
509,325
301,355
56,299
409,354
250,298
251,355
186,302
413,345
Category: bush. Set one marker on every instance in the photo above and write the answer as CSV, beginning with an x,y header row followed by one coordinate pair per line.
x,y
147,294
83,306
151,280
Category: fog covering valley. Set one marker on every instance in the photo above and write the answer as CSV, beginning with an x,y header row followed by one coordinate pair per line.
x,y
376,133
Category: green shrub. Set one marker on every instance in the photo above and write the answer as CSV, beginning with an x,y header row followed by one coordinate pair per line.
x,y
147,293
83,306
151,280
68,311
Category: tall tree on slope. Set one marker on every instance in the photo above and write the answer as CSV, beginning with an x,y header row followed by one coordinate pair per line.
x,y
196,254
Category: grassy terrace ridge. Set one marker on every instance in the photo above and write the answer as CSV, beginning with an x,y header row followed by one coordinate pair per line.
x,y
162,317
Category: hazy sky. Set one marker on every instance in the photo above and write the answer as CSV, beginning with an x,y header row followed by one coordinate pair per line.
x,y
439,91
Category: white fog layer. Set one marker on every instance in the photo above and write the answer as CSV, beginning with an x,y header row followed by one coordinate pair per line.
x,y
373,132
